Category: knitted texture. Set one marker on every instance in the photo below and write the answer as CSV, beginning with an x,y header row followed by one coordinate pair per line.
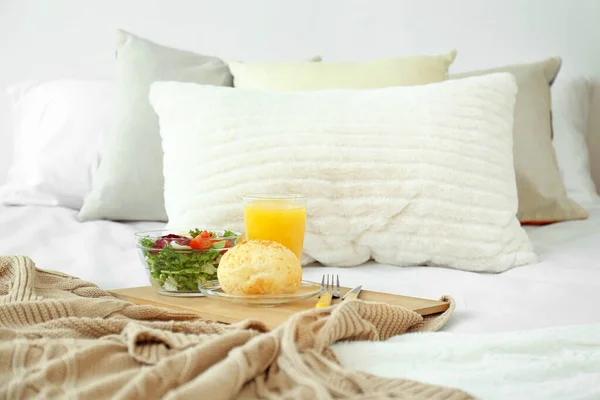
x,y
61,337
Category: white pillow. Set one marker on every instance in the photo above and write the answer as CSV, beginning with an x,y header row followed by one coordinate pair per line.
x,y
59,129
418,175
570,114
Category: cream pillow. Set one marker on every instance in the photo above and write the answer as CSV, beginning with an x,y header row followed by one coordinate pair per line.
x,y
419,175
542,193
402,71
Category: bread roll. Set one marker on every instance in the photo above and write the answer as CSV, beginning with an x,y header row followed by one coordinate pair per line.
x,y
259,267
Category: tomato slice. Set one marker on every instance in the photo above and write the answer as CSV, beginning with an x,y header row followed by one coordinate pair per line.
x,y
205,234
200,243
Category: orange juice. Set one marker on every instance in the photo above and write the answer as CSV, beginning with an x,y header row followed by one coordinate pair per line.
x,y
278,219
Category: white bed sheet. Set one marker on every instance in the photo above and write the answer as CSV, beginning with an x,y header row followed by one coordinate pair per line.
x,y
561,363
101,252
562,289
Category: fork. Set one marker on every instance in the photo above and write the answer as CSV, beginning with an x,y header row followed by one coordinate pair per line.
x,y
329,291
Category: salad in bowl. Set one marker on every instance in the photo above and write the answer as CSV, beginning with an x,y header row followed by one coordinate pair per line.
x,y
178,262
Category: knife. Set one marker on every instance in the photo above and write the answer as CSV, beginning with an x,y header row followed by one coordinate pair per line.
x,y
353,294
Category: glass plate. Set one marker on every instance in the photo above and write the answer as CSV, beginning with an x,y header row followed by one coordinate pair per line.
x,y
306,290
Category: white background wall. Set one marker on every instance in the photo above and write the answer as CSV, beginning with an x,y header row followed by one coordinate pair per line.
x,y
47,39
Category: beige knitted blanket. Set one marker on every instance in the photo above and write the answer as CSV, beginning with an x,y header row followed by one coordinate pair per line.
x,y
64,338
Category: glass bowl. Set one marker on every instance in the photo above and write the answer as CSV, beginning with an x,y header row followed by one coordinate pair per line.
x,y
178,262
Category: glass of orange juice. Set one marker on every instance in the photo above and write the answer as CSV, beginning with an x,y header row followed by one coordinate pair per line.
x,y
277,217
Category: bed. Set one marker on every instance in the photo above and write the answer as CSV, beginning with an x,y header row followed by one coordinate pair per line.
x,y
509,331
560,290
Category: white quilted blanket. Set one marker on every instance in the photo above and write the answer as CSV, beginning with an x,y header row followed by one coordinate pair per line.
x,y
554,363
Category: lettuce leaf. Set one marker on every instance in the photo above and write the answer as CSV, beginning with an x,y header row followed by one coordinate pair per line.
x,y
182,269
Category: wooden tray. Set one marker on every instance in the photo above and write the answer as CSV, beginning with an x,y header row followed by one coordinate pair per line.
x,y
223,311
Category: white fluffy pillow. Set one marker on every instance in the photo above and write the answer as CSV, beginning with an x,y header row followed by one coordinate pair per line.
x,y
59,129
418,175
